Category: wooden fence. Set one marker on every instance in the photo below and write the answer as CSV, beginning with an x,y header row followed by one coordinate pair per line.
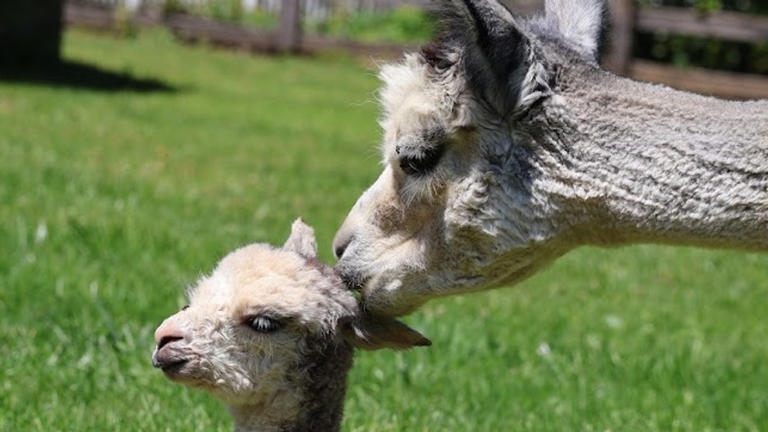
x,y
312,9
627,20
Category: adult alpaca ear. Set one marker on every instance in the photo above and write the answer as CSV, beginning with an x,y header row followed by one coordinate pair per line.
x,y
495,52
301,240
374,333
579,22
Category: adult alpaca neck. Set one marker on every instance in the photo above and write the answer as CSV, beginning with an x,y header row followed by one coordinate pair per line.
x,y
634,162
321,381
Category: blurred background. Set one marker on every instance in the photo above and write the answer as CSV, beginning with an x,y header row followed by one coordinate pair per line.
x,y
142,140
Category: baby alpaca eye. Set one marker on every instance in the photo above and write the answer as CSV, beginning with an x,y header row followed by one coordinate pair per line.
x,y
185,307
419,162
263,324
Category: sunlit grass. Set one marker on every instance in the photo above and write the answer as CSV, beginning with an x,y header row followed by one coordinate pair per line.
x,y
111,203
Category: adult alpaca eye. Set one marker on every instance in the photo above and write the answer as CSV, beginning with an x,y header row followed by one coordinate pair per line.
x,y
263,324
419,162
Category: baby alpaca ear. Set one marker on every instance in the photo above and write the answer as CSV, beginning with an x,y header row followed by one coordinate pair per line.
x,y
373,333
302,240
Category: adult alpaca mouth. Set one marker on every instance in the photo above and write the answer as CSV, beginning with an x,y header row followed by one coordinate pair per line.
x,y
382,291
354,281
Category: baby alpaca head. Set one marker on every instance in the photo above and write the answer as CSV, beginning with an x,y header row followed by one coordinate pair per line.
x,y
256,326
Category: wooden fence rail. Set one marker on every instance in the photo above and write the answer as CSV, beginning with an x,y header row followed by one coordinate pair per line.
x,y
627,19
724,25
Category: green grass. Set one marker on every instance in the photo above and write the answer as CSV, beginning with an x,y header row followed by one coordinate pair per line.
x,y
111,203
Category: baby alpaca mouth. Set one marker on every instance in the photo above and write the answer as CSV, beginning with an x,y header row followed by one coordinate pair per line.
x,y
174,370
169,364
174,365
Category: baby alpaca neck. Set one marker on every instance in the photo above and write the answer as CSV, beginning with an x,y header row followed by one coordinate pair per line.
x,y
322,377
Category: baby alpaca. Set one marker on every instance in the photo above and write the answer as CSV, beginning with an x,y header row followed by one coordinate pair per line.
x,y
271,332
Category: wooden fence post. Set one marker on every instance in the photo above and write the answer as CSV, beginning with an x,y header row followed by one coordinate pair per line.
x,y
289,36
618,57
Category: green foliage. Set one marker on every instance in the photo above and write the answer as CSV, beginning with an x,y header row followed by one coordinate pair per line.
x,y
708,5
259,19
231,11
224,10
404,24
704,6
685,51
124,23
112,203
171,7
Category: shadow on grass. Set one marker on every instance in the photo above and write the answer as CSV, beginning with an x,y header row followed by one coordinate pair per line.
x,y
82,76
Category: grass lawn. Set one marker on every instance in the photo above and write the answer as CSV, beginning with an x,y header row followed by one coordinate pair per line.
x,y
112,202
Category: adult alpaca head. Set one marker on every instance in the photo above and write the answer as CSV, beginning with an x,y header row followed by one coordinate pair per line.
x,y
505,145
271,332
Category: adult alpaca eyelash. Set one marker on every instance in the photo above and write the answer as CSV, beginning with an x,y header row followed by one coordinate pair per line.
x,y
419,162
423,186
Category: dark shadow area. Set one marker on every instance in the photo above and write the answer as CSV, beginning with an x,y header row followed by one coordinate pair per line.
x,y
82,76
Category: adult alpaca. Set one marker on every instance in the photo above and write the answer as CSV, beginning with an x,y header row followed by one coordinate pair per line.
x,y
506,146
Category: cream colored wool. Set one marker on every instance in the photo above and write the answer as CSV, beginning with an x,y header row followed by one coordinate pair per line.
x,y
292,377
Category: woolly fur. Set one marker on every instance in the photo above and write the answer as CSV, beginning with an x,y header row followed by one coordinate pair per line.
x,y
289,379
543,152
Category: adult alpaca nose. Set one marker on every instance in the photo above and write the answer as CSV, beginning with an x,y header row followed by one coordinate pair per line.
x,y
341,242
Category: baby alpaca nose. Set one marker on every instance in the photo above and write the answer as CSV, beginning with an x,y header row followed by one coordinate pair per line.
x,y
168,332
